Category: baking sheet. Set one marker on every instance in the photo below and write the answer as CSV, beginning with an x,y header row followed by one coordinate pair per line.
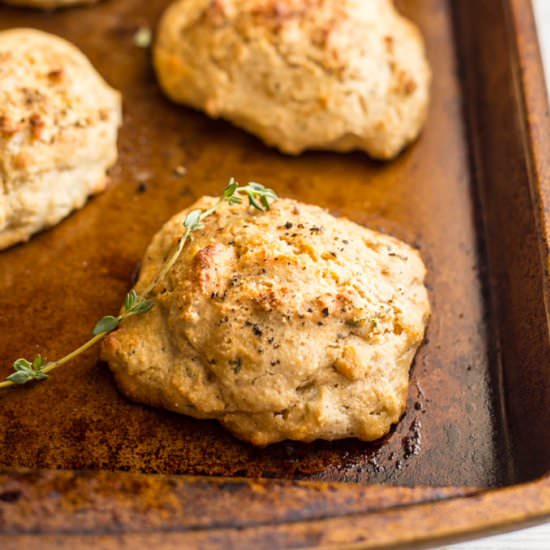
x,y
53,289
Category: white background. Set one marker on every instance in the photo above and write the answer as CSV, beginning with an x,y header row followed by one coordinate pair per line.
x,y
536,538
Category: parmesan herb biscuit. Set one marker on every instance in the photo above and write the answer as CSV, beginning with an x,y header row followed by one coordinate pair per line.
x,y
300,74
288,324
58,131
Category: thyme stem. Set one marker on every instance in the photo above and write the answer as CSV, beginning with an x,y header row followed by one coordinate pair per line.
x,y
168,265
84,347
259,197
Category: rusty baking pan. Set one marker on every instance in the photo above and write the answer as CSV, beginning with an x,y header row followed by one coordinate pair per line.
x,y
471,454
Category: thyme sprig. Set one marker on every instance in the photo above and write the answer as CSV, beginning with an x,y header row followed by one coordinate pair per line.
x,y
259,197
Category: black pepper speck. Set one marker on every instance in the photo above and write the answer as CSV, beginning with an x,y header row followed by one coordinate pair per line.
x,y
142,187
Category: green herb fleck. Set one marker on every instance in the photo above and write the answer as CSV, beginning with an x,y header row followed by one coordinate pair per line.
x,y
25,371
106,324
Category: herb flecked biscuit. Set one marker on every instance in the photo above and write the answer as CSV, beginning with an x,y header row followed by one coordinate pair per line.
x,y
289,324
58,129
300,74
48,4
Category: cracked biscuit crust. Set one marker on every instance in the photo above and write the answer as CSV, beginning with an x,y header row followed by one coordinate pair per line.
x,y
300,74
290,324
58,130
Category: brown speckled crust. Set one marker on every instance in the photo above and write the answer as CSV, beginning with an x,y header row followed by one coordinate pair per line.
x,y
58,131
286,324
320,74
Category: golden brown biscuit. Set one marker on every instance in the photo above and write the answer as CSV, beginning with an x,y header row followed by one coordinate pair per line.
x,y
300,74
58,130
290,324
